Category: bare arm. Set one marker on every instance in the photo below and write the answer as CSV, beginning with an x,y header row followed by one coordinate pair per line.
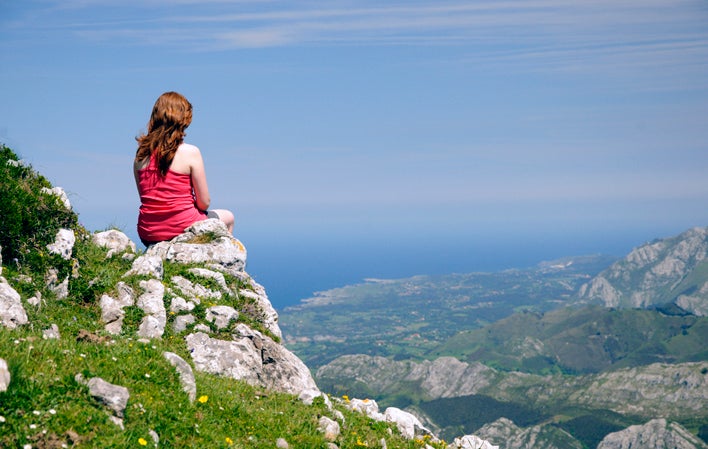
x,y
135,175
199,181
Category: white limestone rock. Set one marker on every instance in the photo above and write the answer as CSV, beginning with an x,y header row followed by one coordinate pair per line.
x,y
179,304
194,291
60,289
368,407
471,442
114,240
206,241
115,397
154,436
329,427
51,333
112,314
186,376
126,295
182,322
63,244
210,274
221,316
12,313
112,309
151,302
147,265
307,397
4,376
235,359
269,317
35,300
58,192
252,357
408,424
201,327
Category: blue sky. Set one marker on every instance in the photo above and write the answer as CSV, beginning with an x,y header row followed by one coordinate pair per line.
x,y
377,121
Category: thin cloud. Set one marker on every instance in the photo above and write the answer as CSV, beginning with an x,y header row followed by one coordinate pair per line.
x,y
535,20
557,36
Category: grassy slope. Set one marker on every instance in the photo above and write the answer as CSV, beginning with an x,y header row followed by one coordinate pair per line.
x,y
45,406
586,340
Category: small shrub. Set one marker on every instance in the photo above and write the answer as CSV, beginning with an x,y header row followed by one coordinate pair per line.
x,y
30,219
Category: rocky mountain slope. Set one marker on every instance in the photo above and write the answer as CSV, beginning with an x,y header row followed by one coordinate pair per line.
x,y
450,391
576,376
679,391
670,273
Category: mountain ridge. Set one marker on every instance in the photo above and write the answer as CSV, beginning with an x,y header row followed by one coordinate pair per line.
x,y
670,271
607,364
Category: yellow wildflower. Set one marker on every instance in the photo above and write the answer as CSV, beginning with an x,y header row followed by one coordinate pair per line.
x,y
229,441
203,399
142,441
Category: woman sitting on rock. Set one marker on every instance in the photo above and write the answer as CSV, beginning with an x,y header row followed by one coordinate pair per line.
x,y
170,175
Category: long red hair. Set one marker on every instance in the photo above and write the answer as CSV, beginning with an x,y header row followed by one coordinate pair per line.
x,y
170,117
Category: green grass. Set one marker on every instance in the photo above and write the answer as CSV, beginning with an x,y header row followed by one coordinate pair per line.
x,y
46,407
45,403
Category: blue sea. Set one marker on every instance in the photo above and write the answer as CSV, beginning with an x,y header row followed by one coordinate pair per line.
x,y
294,268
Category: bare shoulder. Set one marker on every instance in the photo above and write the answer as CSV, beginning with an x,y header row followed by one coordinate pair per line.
x,y
185,158
188,149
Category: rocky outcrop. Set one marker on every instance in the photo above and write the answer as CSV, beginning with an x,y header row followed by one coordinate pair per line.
x,y
113,397
58,192
115,242
253,357
508,435
186,375
471,442
656,434
63,244
677,390
667,271
441,378
12,312
246,354
210,244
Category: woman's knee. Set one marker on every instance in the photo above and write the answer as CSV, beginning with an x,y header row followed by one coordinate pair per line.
x,y
227,217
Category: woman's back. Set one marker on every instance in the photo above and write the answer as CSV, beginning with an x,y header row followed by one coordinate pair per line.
x,y
167,202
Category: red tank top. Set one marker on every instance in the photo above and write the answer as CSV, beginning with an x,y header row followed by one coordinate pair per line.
x,y
167,204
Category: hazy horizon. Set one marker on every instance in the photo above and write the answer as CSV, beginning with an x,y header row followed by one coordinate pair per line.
x,y
339,123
